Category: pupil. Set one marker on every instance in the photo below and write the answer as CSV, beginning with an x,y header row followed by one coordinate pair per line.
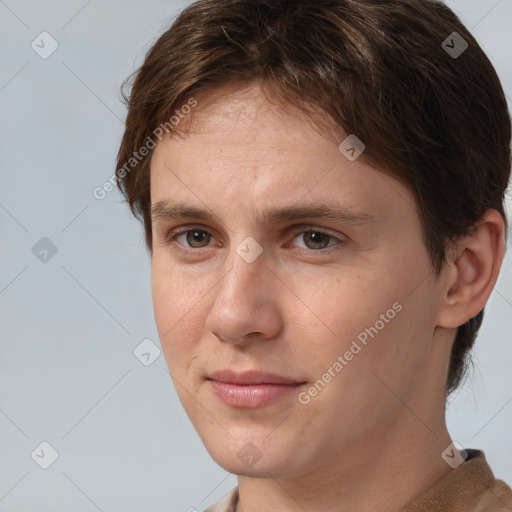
x,y
315,235
196,236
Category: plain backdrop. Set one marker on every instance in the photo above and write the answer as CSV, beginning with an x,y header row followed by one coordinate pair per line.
x,y
75,297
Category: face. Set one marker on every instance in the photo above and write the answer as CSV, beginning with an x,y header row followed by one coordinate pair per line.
x,y
340,308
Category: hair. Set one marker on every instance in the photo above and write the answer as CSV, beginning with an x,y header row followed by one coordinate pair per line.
x,y
437,122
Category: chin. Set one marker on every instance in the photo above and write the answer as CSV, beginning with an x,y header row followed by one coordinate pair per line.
x,y
262,468
255,458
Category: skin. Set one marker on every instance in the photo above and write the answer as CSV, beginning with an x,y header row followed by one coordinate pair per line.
x,y
372,438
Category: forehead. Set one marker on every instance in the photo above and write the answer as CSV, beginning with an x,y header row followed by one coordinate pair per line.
x,y
240,148
251,113
243,133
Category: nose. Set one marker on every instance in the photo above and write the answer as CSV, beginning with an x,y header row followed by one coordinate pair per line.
x,y
246,302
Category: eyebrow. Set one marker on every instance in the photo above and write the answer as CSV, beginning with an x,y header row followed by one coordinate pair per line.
x,y
165,211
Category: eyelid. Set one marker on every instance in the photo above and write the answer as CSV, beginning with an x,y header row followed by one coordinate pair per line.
x,y
306,228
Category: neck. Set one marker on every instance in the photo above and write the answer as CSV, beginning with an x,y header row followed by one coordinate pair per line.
x,y
385,472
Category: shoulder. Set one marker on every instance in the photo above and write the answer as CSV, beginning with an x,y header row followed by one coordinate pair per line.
x,y
499,498
471,487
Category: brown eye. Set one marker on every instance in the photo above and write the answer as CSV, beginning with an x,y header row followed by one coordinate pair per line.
x,y
317,239
198,237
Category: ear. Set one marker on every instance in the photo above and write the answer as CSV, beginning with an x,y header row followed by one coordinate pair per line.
x,y
472,271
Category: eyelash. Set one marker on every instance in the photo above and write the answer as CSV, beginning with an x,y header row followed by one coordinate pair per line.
x,y
173,235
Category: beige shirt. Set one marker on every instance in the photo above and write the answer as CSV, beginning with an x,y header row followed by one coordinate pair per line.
x,y
469,488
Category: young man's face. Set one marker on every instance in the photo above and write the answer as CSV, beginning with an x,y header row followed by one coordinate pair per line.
x,y
347,311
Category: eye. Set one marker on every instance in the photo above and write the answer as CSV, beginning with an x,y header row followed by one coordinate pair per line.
x,y
316,240
194,238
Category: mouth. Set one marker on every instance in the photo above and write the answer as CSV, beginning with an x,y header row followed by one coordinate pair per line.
x,y
252,388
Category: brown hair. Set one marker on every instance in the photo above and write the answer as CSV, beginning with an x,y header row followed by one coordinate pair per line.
x,y
436,121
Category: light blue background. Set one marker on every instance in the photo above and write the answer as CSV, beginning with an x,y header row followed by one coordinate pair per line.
x,y
68,327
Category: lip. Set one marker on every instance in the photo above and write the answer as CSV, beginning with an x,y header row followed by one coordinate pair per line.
x,y
250,377
252,388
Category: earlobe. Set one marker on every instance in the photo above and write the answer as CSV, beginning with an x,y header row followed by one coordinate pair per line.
x,y
472,271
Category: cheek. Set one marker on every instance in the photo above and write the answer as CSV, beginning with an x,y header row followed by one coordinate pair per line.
x,y
372,321
341,307
174,295
176,308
